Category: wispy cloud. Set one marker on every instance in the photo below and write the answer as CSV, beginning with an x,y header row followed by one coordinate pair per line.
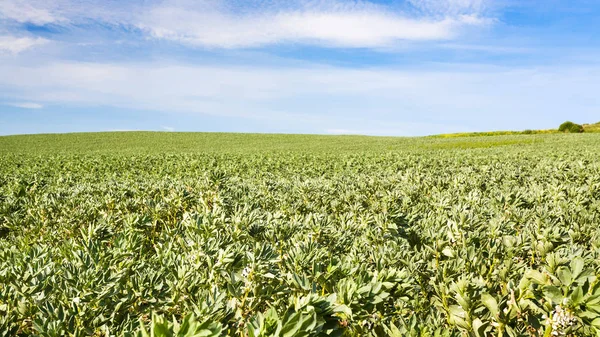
x,y
451,7
15,45
334,28
70,12
496,49
168,128
26,11
234,24
322,96
26,105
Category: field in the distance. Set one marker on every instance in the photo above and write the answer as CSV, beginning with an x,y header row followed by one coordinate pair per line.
x,y
297,235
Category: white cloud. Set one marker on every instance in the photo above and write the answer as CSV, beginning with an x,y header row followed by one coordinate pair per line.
x,y
168,128
26,105
28,11
345,26
67,12
234,24
322,97
15,45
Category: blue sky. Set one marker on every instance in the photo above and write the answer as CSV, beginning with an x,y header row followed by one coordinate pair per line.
x,y
406,68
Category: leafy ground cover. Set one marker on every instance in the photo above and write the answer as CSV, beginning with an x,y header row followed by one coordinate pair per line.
x,y
291,235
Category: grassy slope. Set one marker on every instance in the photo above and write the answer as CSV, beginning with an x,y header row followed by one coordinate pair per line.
x,y
153,142
161,142
589,128
592,127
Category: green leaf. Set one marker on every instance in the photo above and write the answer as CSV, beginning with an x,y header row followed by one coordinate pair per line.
x,y
393,331
343,309
490,303
292,325
564,275
457,311
577,296
553,293
577,265
479,327
448,252
587,314
536,277
594,307
142,329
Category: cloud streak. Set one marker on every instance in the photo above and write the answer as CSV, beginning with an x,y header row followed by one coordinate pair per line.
x,y
252,24
451,7
15,45
26,105
23,11
322,96
334,28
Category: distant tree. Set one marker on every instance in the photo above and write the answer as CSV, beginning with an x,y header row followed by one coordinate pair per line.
x,y
570,127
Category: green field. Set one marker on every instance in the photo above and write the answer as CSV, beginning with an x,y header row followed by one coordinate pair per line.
x,y
137,143
298,235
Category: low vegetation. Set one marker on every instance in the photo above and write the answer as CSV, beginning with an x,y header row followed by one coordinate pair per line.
x,y
570,127
592,127
157,234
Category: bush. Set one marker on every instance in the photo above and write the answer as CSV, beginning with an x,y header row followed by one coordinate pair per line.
x,y
570,127
527,132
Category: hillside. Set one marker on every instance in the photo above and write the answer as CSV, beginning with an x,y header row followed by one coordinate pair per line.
x,y
588,128
198,142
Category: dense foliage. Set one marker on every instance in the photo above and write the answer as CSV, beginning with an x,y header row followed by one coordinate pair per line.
x,y
570,127
493,237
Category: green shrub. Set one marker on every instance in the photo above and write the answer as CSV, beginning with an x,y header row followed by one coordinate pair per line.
x,y
570,127
527,132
